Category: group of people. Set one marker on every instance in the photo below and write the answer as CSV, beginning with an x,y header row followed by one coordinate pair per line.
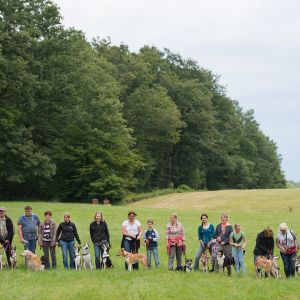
x,y
225,237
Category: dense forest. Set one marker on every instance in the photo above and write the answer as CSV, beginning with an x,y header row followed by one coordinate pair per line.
x,y
80,119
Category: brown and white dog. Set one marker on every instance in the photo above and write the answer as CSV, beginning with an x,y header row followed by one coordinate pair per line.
x,y
205,261
33,261
269,265
296,261
1,256
132,258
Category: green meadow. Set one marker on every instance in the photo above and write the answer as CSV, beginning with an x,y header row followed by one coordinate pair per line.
x,y
160,283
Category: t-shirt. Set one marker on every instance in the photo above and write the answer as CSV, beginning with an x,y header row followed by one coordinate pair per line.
x,y
237,236
29,224
131,228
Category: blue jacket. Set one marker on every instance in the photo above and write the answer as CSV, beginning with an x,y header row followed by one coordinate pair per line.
x,y
154,238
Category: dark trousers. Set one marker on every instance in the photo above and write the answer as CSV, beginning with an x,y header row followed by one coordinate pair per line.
x,y
7,251
128,246
289,265
48,248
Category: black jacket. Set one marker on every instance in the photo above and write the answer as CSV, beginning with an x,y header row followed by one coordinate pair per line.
x,y
99,232
67,232
225,237
10,229
264,245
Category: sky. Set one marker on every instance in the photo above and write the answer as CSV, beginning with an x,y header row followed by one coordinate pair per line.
x,y
254,46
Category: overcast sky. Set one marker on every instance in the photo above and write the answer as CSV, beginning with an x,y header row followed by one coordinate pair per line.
x,y
253,45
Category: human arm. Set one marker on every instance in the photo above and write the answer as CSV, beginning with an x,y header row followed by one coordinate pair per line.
x,y
76,235
156,238
107,232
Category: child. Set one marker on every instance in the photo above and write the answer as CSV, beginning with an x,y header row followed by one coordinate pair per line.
x,y
238,242
151,238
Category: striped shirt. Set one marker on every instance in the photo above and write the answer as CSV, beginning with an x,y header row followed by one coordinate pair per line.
x,y
46,234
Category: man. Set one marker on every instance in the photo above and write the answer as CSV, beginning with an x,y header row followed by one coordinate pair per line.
x,y
28,225
66,232
6,232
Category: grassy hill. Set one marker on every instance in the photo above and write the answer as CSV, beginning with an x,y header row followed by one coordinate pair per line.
x,y
252,209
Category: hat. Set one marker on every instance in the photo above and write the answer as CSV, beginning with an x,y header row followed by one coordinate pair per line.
x,y
2,209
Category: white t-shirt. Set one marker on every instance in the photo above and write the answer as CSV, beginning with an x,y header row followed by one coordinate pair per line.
x,y
131,228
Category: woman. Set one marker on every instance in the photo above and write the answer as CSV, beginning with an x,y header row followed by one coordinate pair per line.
x,y
264,244
99,235
132,231
288,245
223,231
175,240
46,239
238,243
206,232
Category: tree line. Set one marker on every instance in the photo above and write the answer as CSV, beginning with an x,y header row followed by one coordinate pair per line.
x,y
80,119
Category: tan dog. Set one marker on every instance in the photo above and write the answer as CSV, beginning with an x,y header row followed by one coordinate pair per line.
x,y
269,266
132,258
205,261
33,261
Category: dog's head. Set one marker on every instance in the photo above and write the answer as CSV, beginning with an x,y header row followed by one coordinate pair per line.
x,y
220,259
76,249
13,251
188,263
27,254
44,260
85,248
122,252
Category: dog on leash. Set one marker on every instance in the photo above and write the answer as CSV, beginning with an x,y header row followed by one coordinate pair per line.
x,y
13,257
105,261
86,257
296,261
33,261
133,258
44,261
1,256
205,261
269,265
188,267
77,258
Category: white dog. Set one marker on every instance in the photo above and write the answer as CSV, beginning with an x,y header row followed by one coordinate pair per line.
x,y
1,256
77,258
13,257
86,257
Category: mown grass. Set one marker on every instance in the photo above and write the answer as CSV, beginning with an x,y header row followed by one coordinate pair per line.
x,y
153,284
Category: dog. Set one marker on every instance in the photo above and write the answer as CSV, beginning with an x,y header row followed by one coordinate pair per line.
x,y
77,258
296,261
13,257
86,257
133,258
33,261
44,261
224,261
220,259
188,268
1,256
204,260
105,261
269,265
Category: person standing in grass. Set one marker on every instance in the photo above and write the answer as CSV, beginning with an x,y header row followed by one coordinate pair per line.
x,y
132,231
47,239
264,244
28,225
223,231
238,243
175,240
288,245
206,232
6,233
151,238
99,235
65,235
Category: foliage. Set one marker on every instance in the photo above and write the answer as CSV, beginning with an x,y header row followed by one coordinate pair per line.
x,y
81,120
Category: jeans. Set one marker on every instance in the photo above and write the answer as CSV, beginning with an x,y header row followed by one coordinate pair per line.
x,y
48,248
97,250
174,250
155,254
30,245
128,247
65,248
289,266
238,255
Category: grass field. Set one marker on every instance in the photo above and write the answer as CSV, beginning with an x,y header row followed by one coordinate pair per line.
x,y
161,284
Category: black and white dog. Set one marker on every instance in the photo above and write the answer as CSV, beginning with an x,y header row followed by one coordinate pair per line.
x,y
188,265
105,261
